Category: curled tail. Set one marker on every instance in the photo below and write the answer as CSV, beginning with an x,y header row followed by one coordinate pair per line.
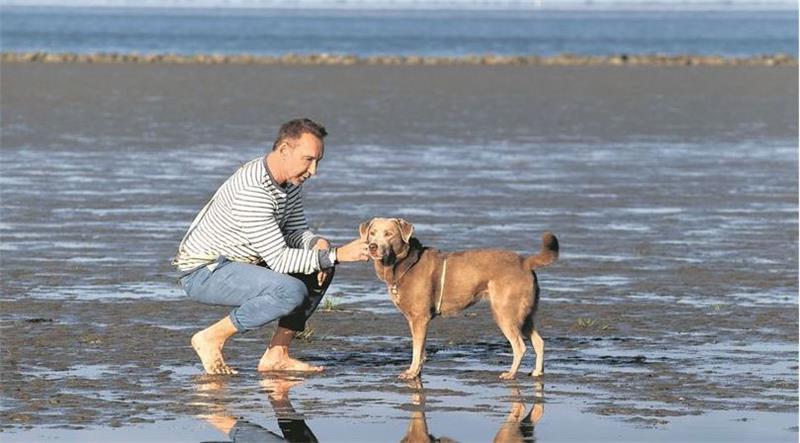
x,y
547,255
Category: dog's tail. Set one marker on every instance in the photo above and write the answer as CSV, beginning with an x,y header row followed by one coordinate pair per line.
x,y
547,255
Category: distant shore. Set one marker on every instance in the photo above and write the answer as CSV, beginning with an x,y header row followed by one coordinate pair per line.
x,y
473,60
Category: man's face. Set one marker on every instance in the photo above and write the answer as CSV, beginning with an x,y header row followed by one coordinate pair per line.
x,y
302,157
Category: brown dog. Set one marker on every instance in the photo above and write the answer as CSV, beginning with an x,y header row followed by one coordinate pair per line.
x,y
425,283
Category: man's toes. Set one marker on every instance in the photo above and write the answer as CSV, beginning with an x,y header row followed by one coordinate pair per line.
x,y
219,367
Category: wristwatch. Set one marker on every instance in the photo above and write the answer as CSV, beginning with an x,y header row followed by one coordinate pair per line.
x,y
332,256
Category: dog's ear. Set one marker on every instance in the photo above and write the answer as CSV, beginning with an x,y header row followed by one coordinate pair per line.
x,y
363,229
406,229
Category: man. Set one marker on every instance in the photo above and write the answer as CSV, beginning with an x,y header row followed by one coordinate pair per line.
x,y
250,247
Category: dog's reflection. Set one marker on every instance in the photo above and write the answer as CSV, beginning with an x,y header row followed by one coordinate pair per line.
x,y
292,425
518,426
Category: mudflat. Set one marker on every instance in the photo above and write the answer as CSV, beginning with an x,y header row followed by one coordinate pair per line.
x,y
673,191
401,104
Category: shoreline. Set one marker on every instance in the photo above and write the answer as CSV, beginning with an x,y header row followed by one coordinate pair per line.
x,y
402,60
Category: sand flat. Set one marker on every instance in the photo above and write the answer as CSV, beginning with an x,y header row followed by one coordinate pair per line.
x,y
407,104
672,313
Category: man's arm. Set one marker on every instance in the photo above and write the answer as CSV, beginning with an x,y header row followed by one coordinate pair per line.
x,y
298,234
254,212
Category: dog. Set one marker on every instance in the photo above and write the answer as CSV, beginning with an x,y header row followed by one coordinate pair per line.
x,y
425,283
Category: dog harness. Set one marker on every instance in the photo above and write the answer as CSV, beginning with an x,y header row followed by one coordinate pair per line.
x,y
441,288
395,291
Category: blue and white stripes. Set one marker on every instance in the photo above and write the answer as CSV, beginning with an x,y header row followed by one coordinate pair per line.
x,y
251,219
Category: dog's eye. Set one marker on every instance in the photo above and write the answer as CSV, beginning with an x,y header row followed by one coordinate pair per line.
x,y
388,233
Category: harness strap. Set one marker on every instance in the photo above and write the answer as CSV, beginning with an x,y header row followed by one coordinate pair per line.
x,y
441,288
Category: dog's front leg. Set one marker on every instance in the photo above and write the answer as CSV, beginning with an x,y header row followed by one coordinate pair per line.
x,y
419,331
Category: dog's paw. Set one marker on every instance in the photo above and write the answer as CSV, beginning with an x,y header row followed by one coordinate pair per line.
x,y
508,375
408,374
536,373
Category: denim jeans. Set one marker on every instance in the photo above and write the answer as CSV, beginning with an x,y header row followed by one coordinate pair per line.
x,y
259,294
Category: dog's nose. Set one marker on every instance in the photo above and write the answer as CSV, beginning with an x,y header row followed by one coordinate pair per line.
x,y
373,247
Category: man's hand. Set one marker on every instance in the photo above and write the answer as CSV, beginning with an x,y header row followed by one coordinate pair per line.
x,y
356,250
322,244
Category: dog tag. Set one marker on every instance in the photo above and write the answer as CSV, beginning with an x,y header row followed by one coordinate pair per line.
x,y
393,289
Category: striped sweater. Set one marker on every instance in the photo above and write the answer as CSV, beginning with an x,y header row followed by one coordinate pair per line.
x,y
251,219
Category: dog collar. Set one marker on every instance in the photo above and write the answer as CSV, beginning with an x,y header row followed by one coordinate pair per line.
x,y
414,255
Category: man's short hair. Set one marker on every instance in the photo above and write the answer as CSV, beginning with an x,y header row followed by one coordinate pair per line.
x,y
294,129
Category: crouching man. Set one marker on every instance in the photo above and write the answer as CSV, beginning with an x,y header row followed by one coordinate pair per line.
x,y
250,247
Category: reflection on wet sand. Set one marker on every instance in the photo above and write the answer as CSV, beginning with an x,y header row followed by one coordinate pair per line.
x,y
292,425
518,427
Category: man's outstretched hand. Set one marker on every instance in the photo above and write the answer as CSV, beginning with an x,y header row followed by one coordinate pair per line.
x,y
356,250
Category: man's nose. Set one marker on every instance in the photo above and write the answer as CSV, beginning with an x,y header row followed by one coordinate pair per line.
x,y
313,168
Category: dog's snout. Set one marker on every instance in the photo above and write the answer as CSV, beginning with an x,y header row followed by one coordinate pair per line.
x,y
373,247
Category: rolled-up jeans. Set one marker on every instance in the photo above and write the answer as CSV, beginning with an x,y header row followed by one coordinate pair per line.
x,y
259,294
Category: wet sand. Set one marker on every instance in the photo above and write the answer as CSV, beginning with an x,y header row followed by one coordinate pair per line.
x,y
673,191
169,105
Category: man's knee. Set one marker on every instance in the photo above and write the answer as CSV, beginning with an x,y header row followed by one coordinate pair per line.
x,y
295,292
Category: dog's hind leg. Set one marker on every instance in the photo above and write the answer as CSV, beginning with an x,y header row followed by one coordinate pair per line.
x,y
538,348
529,328
514,335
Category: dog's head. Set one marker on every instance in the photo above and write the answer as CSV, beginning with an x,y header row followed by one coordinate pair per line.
x,y
388,239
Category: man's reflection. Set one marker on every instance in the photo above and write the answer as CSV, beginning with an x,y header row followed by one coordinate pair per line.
x,y
518,426
292,425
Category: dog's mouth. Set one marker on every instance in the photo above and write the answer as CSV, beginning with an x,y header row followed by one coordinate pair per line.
x,y
384,254
388,259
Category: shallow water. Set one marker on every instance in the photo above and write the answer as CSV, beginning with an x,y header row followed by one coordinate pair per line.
x,y
630,216
349,407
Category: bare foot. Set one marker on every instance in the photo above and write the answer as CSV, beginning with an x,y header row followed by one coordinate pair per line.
x,y
286,363
278,388
210,354
222,422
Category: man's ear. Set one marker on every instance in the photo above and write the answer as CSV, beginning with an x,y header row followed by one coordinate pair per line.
x,y
406,229
363,229
284,147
